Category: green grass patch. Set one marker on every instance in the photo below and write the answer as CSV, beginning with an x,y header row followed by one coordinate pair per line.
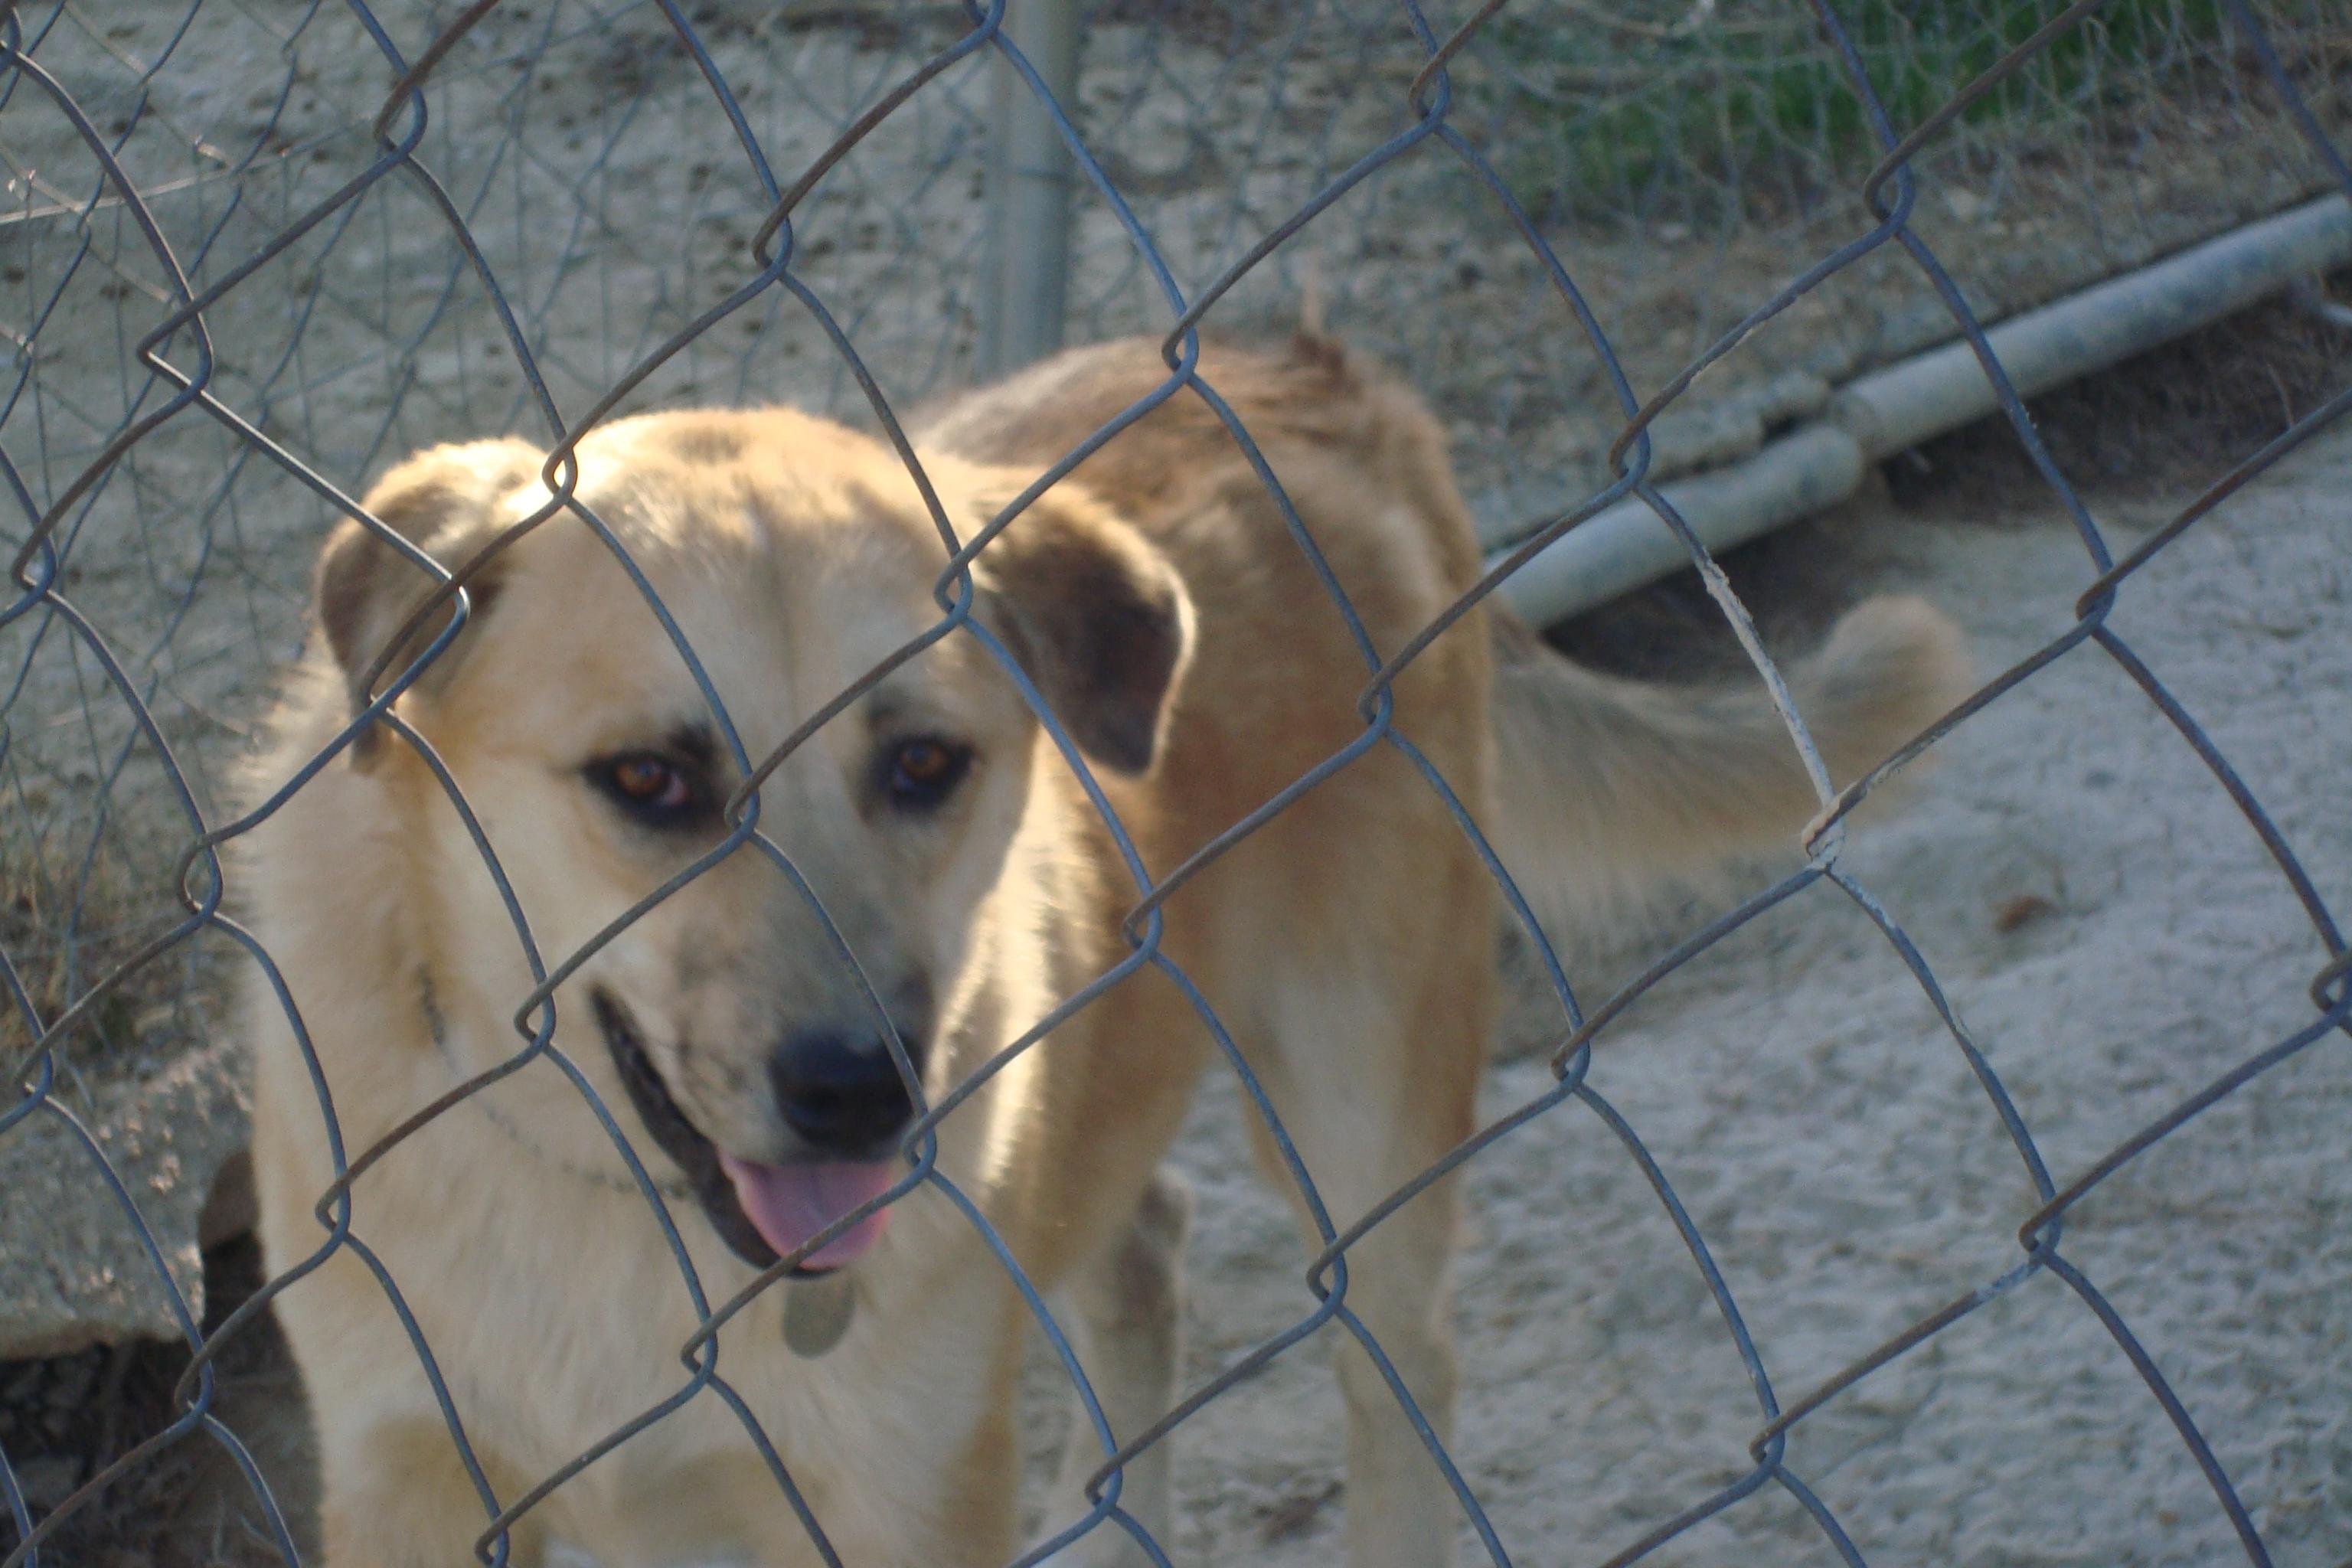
x,y
1748,101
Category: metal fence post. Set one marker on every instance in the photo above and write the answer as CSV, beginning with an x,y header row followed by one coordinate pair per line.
x,y
1029,180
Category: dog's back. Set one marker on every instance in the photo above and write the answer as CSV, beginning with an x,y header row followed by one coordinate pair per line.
x,y
1603,787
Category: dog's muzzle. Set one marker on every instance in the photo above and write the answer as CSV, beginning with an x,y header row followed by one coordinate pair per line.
x,y
830,1096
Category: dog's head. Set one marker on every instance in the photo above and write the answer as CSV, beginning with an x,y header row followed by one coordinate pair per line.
x,y
793,556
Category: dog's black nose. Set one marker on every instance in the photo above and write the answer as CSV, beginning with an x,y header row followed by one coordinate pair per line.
x,y
840,1097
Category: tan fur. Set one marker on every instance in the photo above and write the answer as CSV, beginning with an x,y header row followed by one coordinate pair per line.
x,y
1158,601
1673,782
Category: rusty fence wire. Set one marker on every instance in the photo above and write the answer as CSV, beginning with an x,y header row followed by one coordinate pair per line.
x,y
192,192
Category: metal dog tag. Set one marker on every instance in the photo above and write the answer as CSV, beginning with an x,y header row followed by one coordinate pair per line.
x,y
817,1313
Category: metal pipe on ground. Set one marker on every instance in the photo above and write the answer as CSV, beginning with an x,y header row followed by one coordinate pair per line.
x,y
1893,409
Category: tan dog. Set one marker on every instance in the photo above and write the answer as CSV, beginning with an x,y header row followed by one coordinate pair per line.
x,y
1176,629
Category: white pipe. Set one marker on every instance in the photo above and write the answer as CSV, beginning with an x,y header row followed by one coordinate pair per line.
x,y
1891,410
1895,409
1619,550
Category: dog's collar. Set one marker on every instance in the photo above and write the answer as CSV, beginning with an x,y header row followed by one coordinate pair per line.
x,y
437,1026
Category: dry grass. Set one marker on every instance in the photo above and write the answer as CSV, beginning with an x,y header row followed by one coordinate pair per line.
x,y
70,916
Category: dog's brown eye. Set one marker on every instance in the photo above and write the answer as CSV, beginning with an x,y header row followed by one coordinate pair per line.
x,y
649,787
644,779
925,763
923,771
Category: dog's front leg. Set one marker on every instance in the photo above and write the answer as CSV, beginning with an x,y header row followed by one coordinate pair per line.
x,y
1401,1514
1376,1080
1126,1311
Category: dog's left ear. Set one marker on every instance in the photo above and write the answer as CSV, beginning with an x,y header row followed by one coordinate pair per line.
x,y
444,502
1097,618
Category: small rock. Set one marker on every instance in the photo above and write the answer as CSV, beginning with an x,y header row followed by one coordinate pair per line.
x,y
1295,1512
73,1272
2025,910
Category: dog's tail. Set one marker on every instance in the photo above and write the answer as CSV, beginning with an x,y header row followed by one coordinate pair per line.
x,y
1611,790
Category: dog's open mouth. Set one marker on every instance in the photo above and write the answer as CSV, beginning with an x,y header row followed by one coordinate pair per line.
x,y
762,1212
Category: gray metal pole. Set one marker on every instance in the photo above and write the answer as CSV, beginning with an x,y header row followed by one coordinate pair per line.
x,y
1026,275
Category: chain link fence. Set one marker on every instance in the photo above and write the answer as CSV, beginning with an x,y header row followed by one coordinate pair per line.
x,y
1683,153
254,253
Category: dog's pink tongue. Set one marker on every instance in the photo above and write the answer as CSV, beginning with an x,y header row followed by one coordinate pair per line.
x,y
789,1204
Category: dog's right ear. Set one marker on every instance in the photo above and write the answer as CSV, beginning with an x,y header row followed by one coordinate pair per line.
x,y
1097,616
444,501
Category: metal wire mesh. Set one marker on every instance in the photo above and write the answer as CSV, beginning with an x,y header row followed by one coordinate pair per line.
x,y
505,244
1683,153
